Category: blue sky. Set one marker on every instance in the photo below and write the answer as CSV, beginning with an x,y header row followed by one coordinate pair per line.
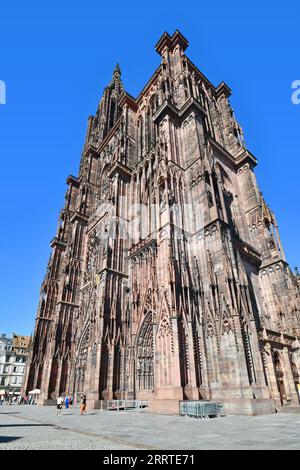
x,y
56,58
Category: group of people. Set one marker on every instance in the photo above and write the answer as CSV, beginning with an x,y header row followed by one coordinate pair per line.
x,y
27,400
18,400
62,400
68,402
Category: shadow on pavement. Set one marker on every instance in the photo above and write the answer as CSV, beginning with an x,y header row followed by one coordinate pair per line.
x,y
4,439
22,425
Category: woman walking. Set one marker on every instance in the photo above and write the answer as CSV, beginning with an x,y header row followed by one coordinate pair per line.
x,y
83,404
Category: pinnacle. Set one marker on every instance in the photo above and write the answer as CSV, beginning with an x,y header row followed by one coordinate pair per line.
x,y
117,69
116,78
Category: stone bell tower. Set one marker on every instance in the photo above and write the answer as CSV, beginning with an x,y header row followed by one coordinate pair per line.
x,y
167,278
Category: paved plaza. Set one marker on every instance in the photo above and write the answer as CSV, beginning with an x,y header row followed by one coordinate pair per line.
x,y
37,427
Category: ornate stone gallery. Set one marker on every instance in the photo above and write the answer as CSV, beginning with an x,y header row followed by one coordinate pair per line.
x,y
167,278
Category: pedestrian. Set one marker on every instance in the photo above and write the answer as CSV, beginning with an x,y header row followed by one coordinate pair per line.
x,y
70,401
83,404
67,402
59,404
2,400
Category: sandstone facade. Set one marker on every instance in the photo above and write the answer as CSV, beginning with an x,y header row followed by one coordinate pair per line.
x,y
167,278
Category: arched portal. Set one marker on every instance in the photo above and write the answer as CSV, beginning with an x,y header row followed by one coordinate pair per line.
x,y
145,355
296,376
81,361
279,376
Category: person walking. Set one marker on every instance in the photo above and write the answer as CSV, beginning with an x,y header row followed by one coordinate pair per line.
x,y
67,402
59,404
70,401
2,400
83,405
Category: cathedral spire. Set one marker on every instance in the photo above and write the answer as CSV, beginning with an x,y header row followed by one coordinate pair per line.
x,y
108,109
116,82
117,69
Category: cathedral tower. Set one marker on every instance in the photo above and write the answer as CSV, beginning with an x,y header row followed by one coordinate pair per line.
x,y
167,278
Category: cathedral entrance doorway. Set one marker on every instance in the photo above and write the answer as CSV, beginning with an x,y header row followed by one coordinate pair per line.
x,y
145,356
279,377
296,377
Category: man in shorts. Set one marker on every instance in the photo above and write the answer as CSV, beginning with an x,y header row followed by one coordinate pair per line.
x,y
59,404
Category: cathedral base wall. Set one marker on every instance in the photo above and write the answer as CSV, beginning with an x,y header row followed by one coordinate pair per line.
x,y
97,405
231,407
48,402
144,395
249,407
165,407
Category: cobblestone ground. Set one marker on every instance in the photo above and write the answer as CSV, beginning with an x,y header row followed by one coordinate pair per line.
x,y
17,433
37,427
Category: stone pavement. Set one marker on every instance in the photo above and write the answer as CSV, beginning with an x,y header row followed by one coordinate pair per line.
x,y
37,427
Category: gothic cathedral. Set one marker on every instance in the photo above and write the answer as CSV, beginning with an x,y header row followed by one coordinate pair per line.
x,y
167,279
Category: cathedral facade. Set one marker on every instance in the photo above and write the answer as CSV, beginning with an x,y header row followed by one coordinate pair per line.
x,y
167,279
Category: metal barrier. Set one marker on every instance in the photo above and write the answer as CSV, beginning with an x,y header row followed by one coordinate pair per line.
x,y
127,404
199,408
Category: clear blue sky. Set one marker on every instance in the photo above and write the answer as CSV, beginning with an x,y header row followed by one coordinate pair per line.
x,y
56,58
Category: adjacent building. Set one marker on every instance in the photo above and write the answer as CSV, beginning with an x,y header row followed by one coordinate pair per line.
x,y
14,351
167,278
